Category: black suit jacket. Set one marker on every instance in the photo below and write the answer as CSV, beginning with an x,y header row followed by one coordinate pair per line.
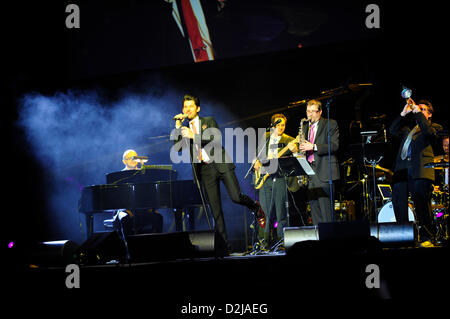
x,y
321,155
421,145
210,140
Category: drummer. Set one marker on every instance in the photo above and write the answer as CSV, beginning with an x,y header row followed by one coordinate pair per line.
x,y
442,174
445,147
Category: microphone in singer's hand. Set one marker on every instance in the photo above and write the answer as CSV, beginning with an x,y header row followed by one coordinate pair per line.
x,y
181,118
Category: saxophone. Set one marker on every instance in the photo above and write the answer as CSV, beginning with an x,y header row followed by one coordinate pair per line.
x,y
300,181
301,133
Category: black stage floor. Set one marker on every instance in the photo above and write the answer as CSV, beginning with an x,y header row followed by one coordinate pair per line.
x,y
310,272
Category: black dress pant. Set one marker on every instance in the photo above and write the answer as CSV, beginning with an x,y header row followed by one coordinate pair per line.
x,y
274,198
319,199
421,190
211,178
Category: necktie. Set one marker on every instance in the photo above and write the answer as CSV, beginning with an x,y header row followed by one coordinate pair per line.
x,y
406,150
310,156
199,150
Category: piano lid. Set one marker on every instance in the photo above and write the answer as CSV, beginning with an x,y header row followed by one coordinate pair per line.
x,y
148,174
175,194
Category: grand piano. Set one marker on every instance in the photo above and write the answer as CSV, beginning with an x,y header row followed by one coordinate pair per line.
x,y
152,187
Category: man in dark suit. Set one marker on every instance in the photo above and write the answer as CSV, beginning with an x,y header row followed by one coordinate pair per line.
x,y
410,174
316,150
273,192
211,163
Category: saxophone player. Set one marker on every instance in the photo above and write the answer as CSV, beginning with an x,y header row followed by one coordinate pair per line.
x,y
315,148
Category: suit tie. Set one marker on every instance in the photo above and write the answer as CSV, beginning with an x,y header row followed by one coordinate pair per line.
x,y
199,149
311,134
406,150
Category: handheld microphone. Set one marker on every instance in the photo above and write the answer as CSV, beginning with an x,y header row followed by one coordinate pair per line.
x,y
181,118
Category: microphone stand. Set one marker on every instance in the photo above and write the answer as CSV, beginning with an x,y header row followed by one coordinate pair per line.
x,y
330,180
256,246
202,196
197,182
259,153
334,93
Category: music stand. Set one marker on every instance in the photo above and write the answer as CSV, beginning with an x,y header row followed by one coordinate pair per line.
x,y
370,153
294,166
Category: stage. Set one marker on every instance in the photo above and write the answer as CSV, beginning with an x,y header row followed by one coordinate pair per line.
x,y
342,271
89,93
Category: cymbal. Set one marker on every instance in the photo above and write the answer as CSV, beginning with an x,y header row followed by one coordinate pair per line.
x,y
440,158
350,161
379,169
440,165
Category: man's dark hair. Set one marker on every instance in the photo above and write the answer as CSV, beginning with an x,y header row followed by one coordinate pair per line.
x,y
190,97
278,116
428,104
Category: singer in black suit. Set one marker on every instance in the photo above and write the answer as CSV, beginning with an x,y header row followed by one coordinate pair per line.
x,y
316,149
211,163
410,174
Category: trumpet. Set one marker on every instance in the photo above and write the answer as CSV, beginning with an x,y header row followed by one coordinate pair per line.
x,y
406,94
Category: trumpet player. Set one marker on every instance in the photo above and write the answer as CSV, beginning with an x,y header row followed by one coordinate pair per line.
x,y
410,174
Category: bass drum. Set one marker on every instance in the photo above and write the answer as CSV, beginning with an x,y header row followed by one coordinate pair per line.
x,y
386,214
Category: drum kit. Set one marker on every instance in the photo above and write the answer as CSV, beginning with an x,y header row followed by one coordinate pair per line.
x,y
439,199
363,178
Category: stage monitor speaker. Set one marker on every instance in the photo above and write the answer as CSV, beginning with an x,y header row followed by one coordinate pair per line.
x,y
293,235
54,253
101,248
394,233
344,230
208,244
105,247
160,247
389,234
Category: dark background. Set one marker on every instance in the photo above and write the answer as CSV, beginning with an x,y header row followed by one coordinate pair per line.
x,y
259,67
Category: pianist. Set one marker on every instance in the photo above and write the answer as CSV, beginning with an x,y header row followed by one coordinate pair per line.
x,y
129,161
139,221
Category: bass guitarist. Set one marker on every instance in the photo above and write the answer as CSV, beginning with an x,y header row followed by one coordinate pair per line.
x,y
273,192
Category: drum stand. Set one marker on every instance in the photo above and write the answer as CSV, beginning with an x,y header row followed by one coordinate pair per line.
x,y
373,163
365,193
370,154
